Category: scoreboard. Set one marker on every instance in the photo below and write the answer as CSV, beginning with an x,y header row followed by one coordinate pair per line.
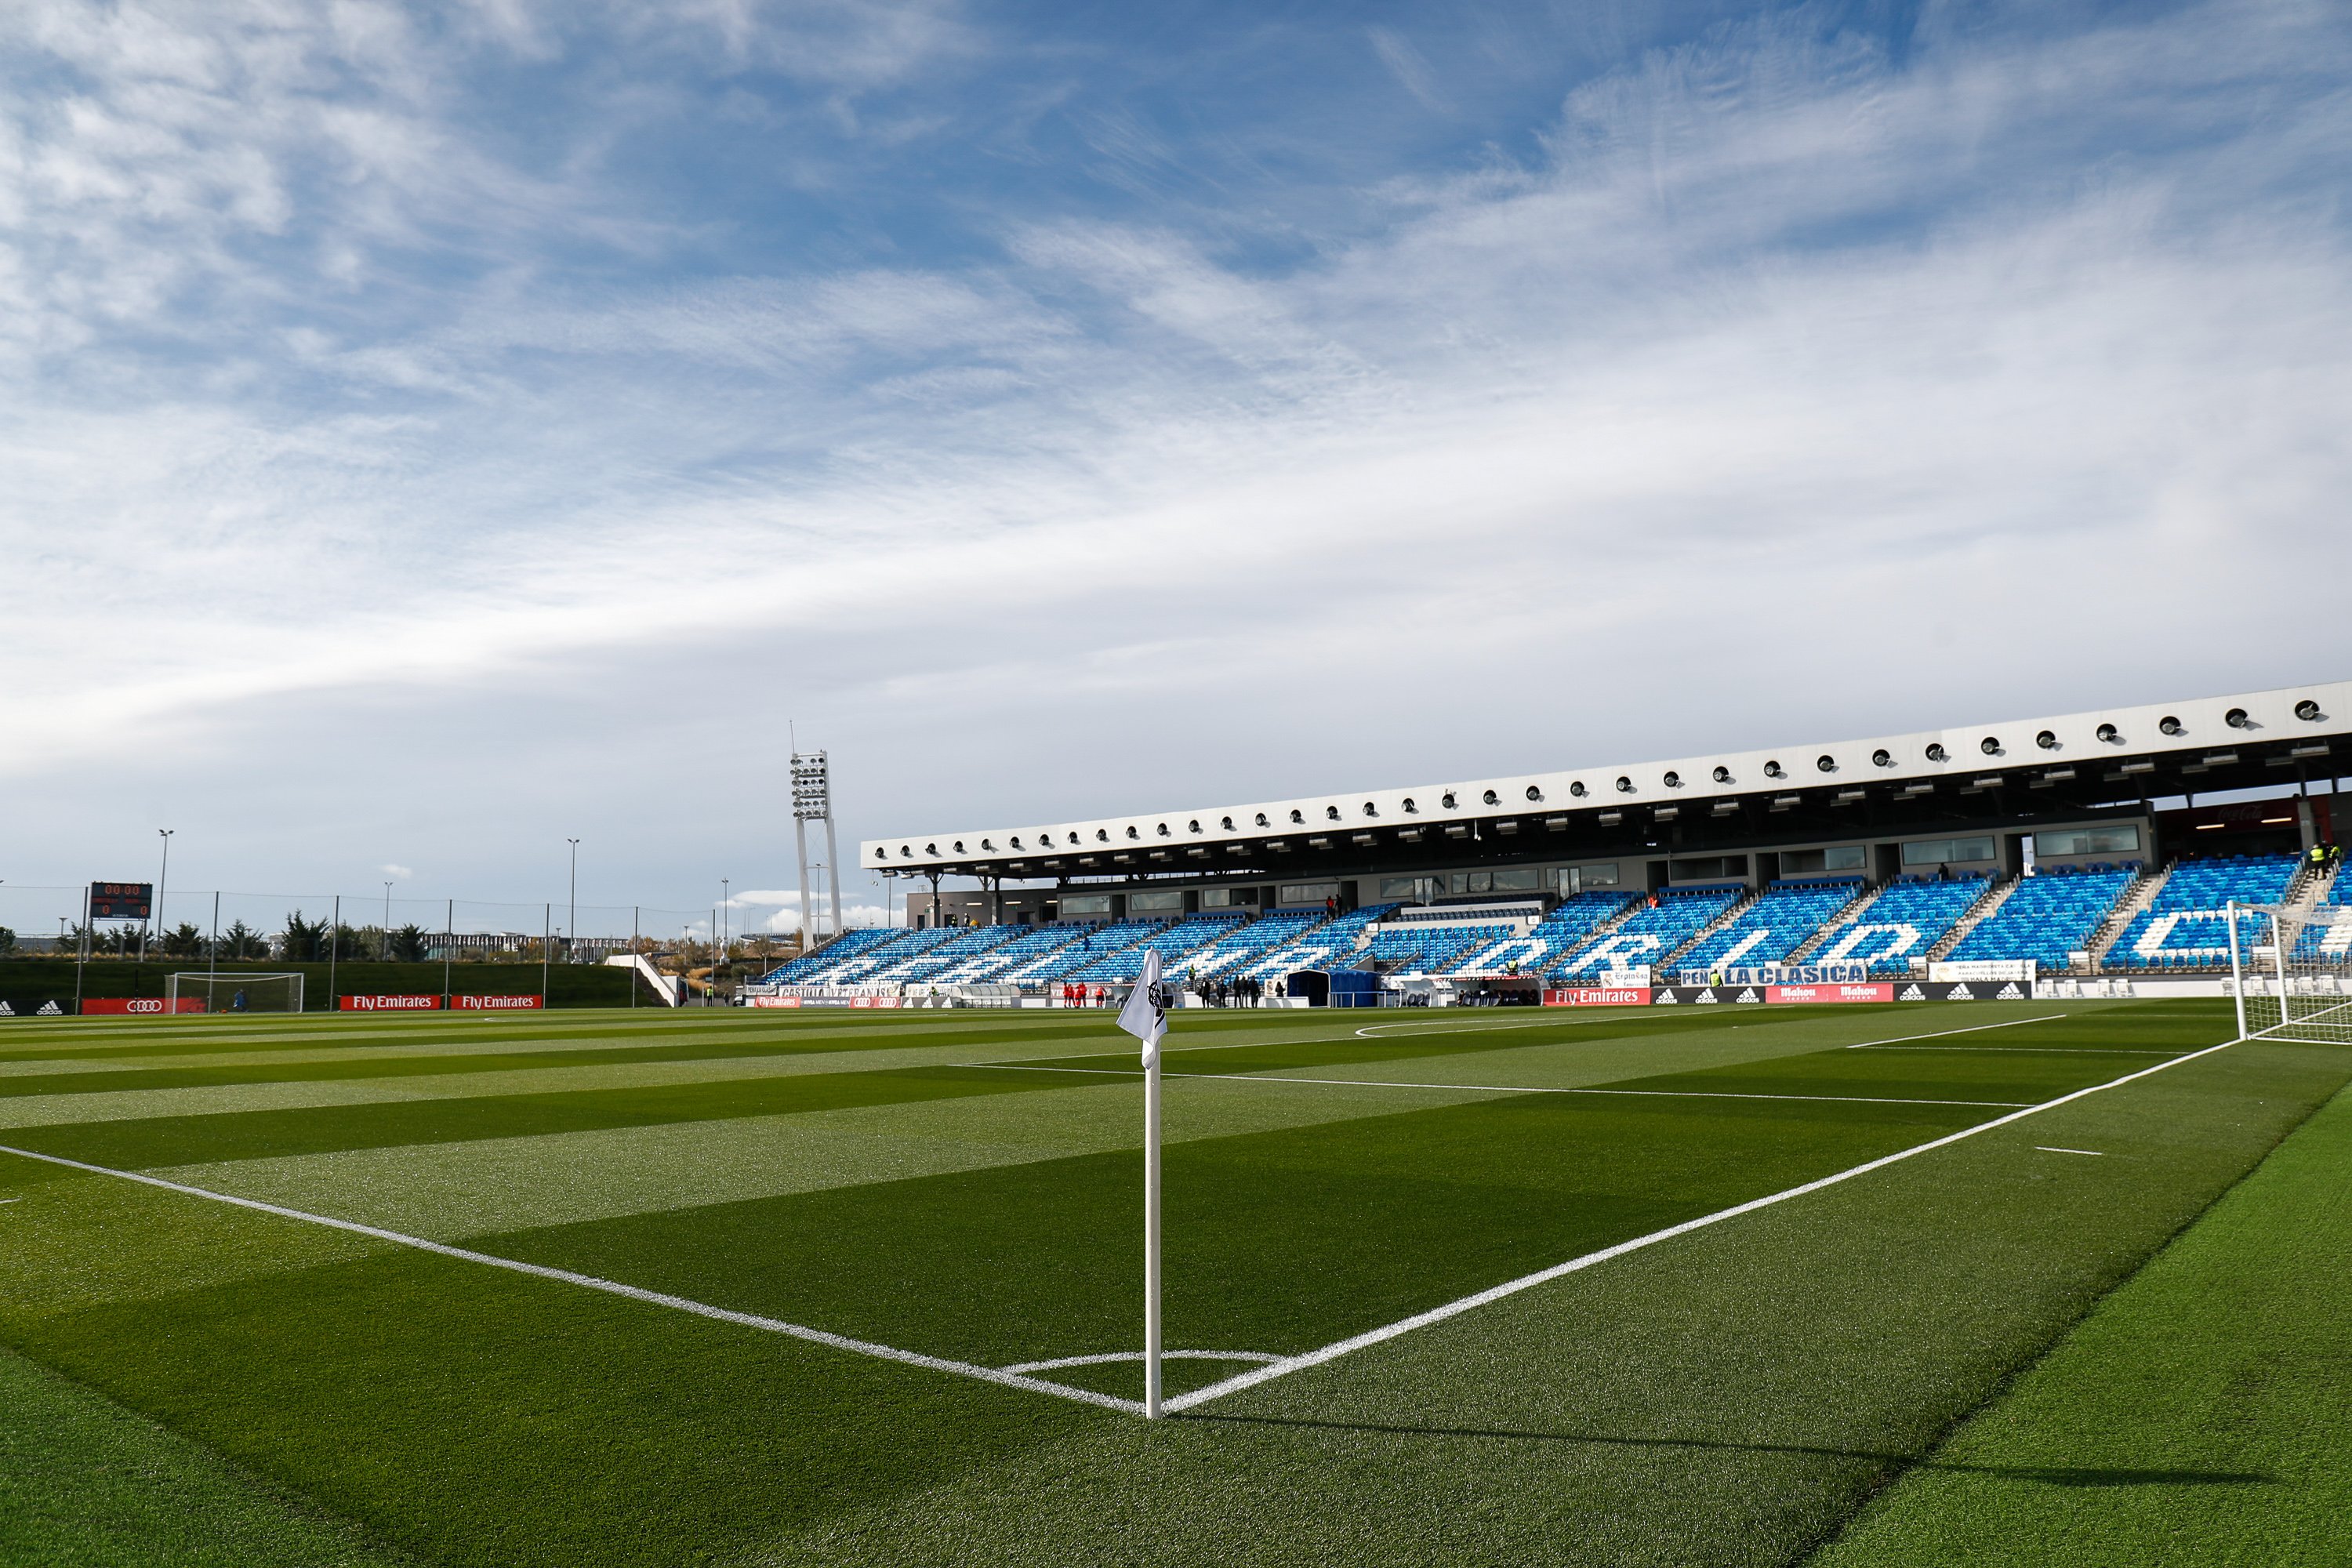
x,y
121,901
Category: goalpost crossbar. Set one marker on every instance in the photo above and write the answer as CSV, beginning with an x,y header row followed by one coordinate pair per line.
x,y
210,991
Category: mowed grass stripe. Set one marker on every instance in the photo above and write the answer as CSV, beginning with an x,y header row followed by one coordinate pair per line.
x,y
1277,1242
146,1144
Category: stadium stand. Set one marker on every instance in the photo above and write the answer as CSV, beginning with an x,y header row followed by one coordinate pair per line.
x,y
966,942
1239,949
1774,926
1093,945
1174,943
2046,918
1679,914
1031,943
1569,924
1331,945
1424,949
1903,924
807,969
2326,938
2186,927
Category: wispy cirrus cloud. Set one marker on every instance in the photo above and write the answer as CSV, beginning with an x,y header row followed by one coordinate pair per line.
x,y
1764,343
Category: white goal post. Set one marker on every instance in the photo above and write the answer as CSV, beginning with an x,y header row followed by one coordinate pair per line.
x,y
199,991
2291,969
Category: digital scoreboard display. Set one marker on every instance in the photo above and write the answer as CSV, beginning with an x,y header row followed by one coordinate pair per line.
x,y
121,901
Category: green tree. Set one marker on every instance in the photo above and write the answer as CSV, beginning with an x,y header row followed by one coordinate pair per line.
x,y
348,941
241,941
407,944
183,940
7,940
303,942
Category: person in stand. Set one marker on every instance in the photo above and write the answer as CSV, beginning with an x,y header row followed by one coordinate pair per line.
x,y
1944,872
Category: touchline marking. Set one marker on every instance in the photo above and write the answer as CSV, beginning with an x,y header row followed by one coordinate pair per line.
x,y
1339,1348
2053,1149
1971,1029
1008,1379
1517,1088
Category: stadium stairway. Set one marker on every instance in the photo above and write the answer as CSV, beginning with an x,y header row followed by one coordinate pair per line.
x,y
1996,894
1853,911
1746,901
2184,926
2137,897
1786,916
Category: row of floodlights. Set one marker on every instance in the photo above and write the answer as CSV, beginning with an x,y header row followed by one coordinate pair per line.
x,y
2047,739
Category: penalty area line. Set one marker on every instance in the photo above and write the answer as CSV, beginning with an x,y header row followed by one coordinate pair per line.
x,y
1008,1379
1454,1308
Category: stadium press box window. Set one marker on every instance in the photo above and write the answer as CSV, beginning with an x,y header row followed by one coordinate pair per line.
x,y
1946,851
1838,858
1082,906
1308,892
2120,840
1155,903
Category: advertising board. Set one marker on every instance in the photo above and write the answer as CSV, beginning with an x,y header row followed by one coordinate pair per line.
x,y
389,1003
1867,991
1599,996
138,1007
1965,990
495,1003
35,1006
1855,973
2025,969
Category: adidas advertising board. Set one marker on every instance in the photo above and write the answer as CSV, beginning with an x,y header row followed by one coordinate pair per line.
x,y
1965,990
35,1006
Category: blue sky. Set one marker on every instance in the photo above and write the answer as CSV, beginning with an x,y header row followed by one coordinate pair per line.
x,y
430,433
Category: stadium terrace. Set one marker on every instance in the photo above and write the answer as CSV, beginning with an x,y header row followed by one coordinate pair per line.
x,y
2034,846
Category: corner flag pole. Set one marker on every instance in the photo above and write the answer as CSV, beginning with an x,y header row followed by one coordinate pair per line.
x,y
1145,1016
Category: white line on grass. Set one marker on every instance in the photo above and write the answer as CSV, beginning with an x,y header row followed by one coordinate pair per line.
x,y
2051,1149
1512,1088
1971,1029
1334,1351
1108,1357
610,1286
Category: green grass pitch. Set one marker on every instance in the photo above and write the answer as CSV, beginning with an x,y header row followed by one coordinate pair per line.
x,y
1945,1348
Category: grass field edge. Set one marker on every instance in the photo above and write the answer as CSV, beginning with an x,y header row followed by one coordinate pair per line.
x,y
2006,1386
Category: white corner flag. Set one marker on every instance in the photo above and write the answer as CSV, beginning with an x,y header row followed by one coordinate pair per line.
x,y
1145,1016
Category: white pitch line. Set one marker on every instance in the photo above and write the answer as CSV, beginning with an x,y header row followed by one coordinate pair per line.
x,y
1109,1357
610,1286
1339,1348
1517,1088
1971,1029
2051,1149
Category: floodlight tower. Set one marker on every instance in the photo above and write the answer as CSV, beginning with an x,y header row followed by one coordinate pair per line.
x,y
812,802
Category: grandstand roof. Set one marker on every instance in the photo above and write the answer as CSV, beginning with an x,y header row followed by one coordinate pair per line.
x,y
2078,760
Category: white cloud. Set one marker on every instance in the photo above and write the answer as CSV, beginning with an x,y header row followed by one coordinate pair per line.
x,y
1779,360
399,873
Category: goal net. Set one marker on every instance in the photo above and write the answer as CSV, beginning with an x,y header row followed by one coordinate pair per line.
x,y
2292,970
199,992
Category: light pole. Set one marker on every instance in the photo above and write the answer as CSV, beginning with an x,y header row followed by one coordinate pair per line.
x,y
723,913
162,880
573,930
383,938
